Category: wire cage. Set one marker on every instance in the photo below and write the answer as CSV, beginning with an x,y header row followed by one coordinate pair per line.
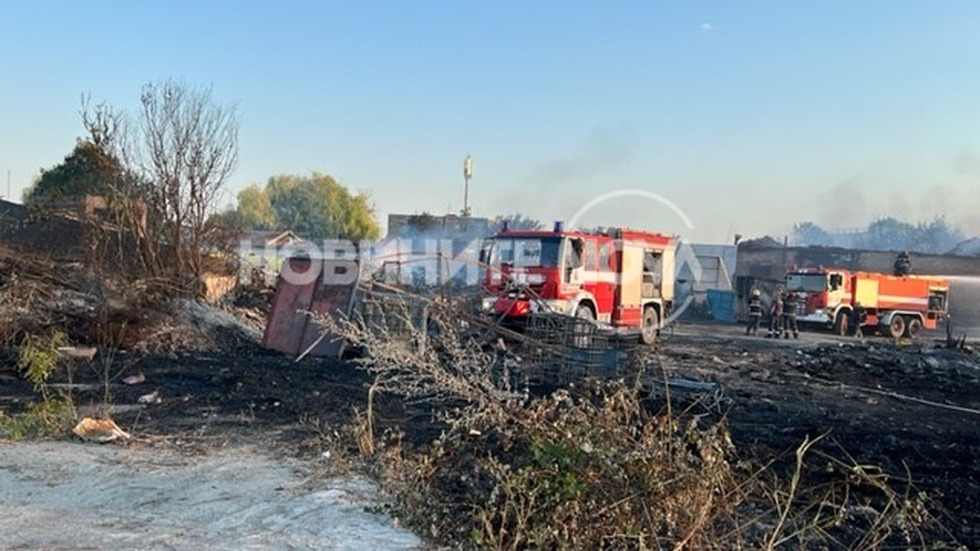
x,y
563,349
401,318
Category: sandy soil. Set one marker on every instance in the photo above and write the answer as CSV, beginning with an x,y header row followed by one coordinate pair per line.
x,y
69,495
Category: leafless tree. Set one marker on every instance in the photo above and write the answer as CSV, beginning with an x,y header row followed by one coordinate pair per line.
x,y
176,158
186,148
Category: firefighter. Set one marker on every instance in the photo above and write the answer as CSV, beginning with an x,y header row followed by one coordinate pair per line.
x,y
776,314
789,316
903,264
858,316
755,312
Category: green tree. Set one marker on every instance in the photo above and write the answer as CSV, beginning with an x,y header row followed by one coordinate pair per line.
x,y
254,209
315,207
88,170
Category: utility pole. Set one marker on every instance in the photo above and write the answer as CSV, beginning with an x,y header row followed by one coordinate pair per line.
x,y
8,184
467,174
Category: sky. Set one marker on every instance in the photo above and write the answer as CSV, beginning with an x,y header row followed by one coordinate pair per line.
x,y
703,119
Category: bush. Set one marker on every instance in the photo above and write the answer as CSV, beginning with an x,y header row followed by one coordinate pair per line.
x,y
55,414
51,417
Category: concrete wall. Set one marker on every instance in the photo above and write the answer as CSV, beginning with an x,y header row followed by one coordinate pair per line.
x,y
772,263
717,264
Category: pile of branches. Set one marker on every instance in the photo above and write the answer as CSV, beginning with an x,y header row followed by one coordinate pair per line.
x,y
40,296
597,465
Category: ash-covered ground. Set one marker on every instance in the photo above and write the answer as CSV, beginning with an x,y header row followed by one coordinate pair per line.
x,y
908,408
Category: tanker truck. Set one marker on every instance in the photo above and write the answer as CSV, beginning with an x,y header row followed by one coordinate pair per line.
x,y
899,306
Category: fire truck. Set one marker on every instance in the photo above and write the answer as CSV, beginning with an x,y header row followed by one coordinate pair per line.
x,y
619,278
896,305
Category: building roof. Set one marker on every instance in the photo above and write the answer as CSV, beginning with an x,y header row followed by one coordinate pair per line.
x,y
12,211
270,238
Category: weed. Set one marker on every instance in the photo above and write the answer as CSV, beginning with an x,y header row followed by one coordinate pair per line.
x,y
597,467
55,413
51,417
38,359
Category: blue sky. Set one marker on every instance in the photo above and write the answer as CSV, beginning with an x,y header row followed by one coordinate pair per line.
x,y
748,116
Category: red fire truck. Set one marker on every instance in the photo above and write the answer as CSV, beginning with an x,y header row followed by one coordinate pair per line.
x,y
618,277
898,305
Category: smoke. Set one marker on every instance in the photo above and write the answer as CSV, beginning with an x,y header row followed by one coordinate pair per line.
x,y
844,205
940,200
605,149
853,203
967,162
571,180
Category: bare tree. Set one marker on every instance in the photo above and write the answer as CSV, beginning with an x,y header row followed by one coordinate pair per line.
x,y
186,147
176,158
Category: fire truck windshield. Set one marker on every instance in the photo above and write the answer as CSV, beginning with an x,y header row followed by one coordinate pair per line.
x,y
524,252
806,282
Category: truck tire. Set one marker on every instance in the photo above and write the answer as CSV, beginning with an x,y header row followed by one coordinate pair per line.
x,y
649,326
584,312
897,327
842,323
913,327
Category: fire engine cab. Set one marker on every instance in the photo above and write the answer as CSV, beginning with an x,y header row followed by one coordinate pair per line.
x,y
618,277
899,305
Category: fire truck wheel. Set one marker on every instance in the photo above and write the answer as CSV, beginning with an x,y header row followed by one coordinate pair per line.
x,y
648,332
584,312
841,323
897,327
913,327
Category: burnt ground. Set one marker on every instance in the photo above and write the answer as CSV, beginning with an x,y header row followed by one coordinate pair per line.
x,y
882,404
862,394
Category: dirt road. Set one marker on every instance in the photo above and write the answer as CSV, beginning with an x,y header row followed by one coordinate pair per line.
x,y
68,495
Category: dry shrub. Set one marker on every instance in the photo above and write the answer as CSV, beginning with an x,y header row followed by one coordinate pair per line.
x,y
593,467
574,471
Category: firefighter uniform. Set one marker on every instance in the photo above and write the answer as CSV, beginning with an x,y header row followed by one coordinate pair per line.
x,y
858,316
755,313
903,264
776,315
789,316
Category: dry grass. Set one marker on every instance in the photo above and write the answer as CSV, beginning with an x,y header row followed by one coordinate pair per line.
x,y
597,466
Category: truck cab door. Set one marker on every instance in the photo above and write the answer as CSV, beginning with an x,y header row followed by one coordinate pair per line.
x,y
837,291
489,265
